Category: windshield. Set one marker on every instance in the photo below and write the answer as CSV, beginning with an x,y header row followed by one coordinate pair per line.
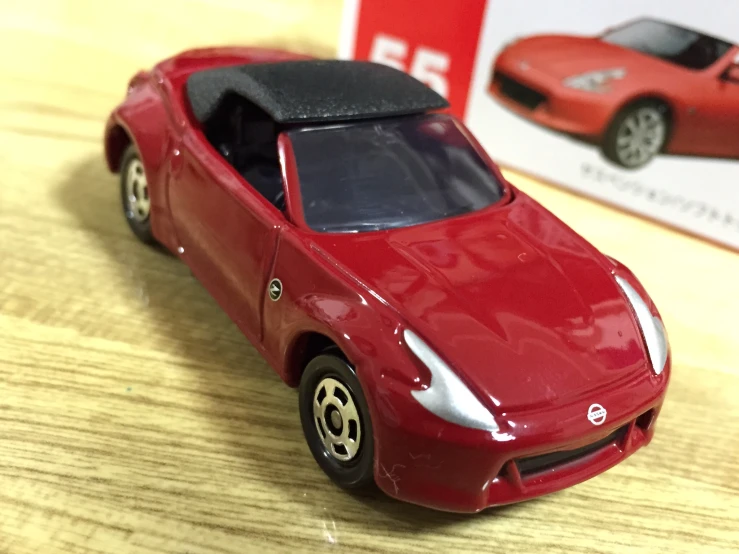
x,y
671,43
389,173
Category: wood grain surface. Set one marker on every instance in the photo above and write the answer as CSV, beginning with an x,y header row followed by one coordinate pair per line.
x,y
134,417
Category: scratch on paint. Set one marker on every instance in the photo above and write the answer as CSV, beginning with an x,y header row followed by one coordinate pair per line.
x,y
394,479
426,457
416,457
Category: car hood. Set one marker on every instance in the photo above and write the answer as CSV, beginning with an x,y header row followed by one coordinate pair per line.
x,y
561,56
523,309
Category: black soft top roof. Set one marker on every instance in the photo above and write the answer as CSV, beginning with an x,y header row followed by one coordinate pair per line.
x,y
313,90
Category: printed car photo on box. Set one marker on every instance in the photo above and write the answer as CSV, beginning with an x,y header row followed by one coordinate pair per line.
x,y
642,88
633,103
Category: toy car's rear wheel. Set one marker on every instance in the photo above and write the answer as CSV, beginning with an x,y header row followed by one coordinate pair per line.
x,y
637,134
135,195
336,421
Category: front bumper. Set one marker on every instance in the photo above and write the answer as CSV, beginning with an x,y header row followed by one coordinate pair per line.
x,y
423,460
544,100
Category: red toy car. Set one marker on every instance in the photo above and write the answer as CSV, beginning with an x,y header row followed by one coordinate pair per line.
x,y
639,89
451,339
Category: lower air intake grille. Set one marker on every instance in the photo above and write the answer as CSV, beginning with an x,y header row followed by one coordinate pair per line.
x,y
537,464
518,92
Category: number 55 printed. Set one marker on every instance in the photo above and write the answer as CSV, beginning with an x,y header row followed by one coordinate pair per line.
x,y
434,42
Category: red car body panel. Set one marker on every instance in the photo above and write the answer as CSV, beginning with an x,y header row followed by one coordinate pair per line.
x,y
489,293
525,311
155,114
704,108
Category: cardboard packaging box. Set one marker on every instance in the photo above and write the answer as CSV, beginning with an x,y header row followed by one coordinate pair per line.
x,y
634,103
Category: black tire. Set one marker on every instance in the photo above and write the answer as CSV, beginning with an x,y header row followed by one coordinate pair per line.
x,y
141,226
357,472
610,145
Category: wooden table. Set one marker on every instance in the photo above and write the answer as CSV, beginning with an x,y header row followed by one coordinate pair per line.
x,y
134,417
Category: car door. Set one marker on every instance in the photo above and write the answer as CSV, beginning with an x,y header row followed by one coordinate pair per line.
x,y
227,232
716,111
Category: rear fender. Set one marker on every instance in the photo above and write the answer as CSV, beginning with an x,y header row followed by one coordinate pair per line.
x,y
142,120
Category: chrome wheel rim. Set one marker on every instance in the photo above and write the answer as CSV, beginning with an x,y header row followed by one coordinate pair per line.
x,y
640,136
337,419
137,192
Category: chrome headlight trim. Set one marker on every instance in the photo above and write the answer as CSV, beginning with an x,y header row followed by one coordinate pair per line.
x,y
447,396
651,327
595,81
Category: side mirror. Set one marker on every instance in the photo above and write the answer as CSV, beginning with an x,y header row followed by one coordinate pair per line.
x,y
731,74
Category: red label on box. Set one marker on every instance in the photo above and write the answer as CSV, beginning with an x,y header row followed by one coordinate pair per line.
x,y
436,42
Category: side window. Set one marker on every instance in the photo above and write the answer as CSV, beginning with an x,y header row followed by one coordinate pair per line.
x,y
731,74
247,138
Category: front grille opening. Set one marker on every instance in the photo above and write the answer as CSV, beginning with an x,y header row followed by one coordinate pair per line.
x,y
518,92
644,421
537,464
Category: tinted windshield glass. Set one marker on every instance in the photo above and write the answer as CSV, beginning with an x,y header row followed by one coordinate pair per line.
x,y
670,43
391,173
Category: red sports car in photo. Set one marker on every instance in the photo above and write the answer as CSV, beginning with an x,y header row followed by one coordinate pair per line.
x,y
451,339
642,88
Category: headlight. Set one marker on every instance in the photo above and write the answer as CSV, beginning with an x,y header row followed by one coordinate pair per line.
x,y
651,327
447,396
595,81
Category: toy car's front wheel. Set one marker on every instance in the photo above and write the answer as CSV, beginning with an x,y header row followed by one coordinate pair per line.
x,y
637,134
135,195
336,421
